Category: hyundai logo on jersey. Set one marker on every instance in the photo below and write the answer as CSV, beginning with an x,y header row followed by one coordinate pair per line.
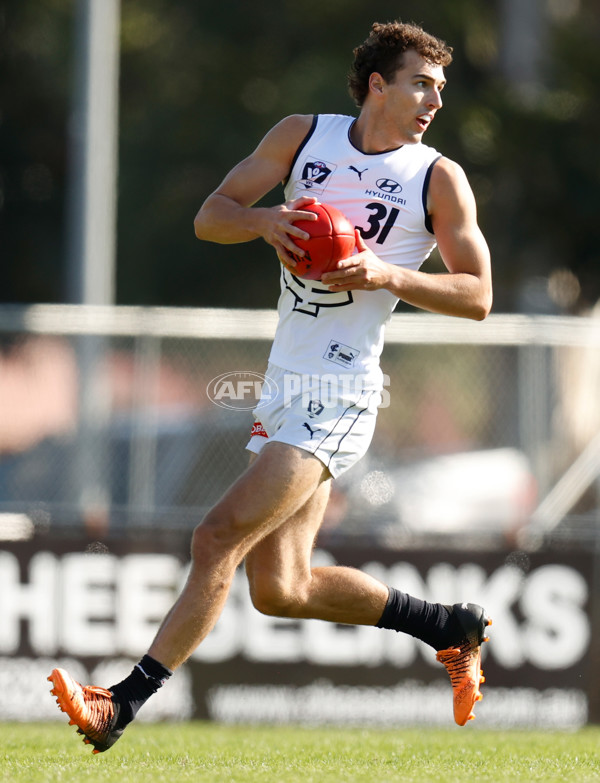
x,y
389,186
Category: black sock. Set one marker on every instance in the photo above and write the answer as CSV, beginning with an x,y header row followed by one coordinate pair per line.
x,y
131,693
434,624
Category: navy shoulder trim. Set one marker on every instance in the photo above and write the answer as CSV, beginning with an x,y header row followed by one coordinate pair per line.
x,y
301,146
428,223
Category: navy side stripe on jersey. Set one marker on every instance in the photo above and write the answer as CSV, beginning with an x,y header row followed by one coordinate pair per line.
x,y
428,223
301,146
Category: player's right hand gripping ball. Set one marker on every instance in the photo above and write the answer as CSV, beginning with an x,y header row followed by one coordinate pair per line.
x,y
331,240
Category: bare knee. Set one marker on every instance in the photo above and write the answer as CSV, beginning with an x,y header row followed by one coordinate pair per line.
x,y
273,597
218,535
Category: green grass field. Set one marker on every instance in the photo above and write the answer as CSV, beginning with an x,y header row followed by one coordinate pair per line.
x,y
207,752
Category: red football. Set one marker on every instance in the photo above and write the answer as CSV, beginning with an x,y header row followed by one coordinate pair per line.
x,y
331,239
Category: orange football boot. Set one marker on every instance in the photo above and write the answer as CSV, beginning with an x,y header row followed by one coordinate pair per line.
x,y
89,708
463,661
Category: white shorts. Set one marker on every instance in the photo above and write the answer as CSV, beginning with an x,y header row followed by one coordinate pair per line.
x,y
335,425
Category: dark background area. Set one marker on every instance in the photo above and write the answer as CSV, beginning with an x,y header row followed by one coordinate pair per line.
x,y
202,82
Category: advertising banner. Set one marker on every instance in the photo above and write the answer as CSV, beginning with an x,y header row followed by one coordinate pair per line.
x,y
94,609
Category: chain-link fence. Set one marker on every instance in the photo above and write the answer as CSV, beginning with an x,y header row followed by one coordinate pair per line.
x,y
116,418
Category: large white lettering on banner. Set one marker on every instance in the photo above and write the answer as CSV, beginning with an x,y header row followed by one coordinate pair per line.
x,y
103,605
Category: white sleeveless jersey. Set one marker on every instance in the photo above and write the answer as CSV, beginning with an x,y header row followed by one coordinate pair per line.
x,y
384,195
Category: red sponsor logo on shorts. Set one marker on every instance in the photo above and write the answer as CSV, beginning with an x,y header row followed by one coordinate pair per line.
x,y
258,429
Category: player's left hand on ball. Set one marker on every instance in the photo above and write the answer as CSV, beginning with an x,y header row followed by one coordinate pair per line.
x,y
363,270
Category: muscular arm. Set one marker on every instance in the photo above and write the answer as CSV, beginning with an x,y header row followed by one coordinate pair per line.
x,y
228,215
465,290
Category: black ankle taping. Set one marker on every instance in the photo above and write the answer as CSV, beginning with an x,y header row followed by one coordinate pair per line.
x,y
433,624
131,693
154,671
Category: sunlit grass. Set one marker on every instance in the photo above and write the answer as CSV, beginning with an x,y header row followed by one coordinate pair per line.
x,y
209,752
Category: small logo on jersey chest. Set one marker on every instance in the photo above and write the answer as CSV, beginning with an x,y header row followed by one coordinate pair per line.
x,y
316,174
389,185
360,172
387,189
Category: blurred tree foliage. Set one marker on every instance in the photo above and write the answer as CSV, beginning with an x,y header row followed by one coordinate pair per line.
x,y
202,82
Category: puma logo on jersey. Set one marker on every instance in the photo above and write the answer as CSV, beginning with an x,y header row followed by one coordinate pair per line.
x,y
360,173
310,429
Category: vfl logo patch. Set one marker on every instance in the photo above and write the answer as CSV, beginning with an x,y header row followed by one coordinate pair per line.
x,y
315,408
338,353
316,174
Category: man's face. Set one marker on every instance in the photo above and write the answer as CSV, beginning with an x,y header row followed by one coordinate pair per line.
x,y
413,97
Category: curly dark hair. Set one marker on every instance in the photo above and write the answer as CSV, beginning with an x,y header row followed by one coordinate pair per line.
x,y
383,50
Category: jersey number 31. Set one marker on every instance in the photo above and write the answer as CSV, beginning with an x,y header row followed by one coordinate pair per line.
x,y
380,222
